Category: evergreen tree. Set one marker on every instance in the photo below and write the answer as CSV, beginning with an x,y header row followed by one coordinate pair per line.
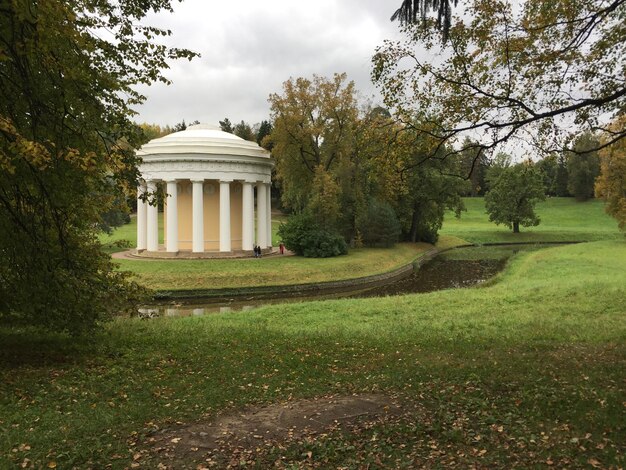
x,y
226,126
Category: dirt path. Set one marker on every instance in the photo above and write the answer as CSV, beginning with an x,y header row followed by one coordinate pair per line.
x,y
246,431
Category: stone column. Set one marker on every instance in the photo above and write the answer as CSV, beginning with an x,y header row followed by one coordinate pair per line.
x,y
152,237
247,216
261,215
172,217
268,191
197,217
225,216
142,213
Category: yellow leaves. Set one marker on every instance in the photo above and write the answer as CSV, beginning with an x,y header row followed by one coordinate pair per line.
x,y
21,148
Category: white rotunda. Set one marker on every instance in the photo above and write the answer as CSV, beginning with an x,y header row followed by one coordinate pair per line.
x,y
210,178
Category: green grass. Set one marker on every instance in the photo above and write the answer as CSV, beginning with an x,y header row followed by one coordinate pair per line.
x,y
526,372
562,219
269,271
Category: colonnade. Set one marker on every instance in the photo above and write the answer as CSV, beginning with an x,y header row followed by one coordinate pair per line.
x,y
148,224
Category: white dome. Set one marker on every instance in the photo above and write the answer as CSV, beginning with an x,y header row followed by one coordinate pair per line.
x,y
204,152
201,139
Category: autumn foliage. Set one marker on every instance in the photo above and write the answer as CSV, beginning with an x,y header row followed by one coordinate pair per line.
x,y
66,152
611,184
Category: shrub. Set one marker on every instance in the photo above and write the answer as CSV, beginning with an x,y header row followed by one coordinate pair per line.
x,y
323,244
301,235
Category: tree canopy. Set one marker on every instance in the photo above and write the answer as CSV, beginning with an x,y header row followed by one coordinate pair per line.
x,y
67,72
532,70
514,191
313,127
611,184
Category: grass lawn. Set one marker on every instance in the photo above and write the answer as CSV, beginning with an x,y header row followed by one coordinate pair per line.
x,y
562,219
269,271
527,372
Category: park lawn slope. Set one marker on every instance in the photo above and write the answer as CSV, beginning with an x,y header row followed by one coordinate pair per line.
x,y
270,271
526,372
562,219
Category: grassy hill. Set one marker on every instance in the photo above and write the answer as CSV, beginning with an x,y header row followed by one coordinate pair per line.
x,y
526,372
562,219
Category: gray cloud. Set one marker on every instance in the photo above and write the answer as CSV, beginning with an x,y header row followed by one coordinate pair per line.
x,y
249,51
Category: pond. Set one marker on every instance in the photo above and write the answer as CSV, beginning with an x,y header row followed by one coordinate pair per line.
x,y
456,268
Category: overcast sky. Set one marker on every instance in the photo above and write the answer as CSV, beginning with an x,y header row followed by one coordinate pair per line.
x,y
249,48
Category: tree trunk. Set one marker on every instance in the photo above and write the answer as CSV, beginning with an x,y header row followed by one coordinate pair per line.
x,y
414,221
515,227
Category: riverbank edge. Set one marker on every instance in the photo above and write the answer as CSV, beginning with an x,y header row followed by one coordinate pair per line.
x,y
328,287
300,290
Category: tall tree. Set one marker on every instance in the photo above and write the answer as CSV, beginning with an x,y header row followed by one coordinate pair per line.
x,y
514,191
548,166
265,129
611,184
244,130
420,189
525,70
67,72
313,126
583,166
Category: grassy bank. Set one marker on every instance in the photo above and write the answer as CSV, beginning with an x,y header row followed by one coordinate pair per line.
x,y
562,219
269,271
527,372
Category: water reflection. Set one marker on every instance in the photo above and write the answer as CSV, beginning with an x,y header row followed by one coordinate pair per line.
x,y
458,268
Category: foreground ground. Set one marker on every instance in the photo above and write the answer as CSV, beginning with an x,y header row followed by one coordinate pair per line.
x,y
527,372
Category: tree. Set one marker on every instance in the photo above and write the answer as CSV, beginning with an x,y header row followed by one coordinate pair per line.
x,y
244,130
265,129
379,226
181,126
419,188
548,166
514,191
67,72
474,165
562,176
583,167
410,9
226,126
532,70
313,127
611,184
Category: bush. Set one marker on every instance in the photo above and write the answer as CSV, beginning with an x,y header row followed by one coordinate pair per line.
x,y
323,244
301,235
379,226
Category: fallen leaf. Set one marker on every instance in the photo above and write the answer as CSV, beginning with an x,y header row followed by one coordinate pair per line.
x,y
594,463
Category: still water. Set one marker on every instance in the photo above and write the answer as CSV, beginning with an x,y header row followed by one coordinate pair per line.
x,y
457,268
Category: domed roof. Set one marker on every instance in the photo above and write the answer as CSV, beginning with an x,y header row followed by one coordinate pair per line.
x,y
201,139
